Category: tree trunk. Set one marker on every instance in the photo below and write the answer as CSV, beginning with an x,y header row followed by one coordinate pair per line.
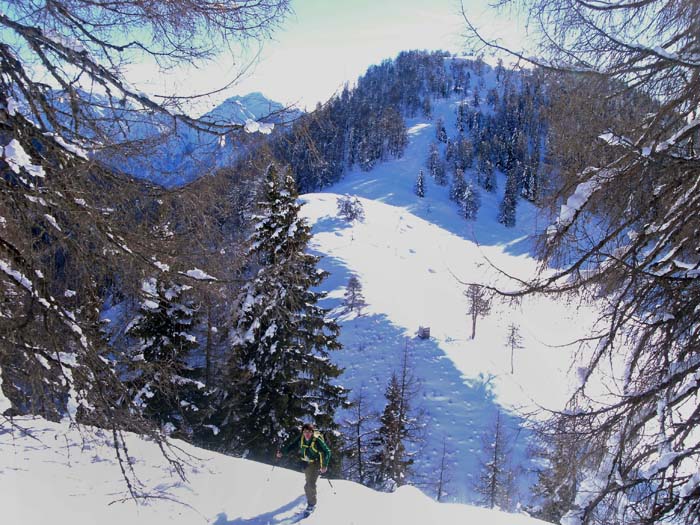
x,y
512,348
208,349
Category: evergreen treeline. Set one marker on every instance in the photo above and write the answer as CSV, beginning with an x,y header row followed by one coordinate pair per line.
x,y
365,124
502,130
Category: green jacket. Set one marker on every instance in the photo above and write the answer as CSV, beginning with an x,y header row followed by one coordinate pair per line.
x,y
313,450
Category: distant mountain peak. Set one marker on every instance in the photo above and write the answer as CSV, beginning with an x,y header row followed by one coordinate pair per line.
x,y
240,108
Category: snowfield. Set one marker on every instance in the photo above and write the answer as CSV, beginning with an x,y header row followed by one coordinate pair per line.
x,y
58,475
414,259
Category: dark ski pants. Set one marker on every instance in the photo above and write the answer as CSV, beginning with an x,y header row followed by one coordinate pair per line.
x,y
311,473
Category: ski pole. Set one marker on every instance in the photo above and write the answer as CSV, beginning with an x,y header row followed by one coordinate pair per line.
x,y
331,484
269,475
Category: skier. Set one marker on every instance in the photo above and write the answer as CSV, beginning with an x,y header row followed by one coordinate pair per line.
x,y
312,449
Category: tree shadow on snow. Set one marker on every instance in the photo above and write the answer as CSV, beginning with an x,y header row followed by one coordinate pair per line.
x,y
268,518
458,409
330,224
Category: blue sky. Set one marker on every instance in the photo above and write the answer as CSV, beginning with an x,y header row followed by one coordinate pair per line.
x,y
325,43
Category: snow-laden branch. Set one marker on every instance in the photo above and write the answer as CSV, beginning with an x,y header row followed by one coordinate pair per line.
x,y
581,195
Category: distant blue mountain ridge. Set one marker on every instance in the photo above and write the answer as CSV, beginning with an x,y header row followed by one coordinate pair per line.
x,y
156,147
188,154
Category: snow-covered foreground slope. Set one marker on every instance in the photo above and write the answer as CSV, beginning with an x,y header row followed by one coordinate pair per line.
x,y
62,476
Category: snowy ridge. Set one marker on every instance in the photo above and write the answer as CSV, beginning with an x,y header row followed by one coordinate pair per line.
x,y
75,478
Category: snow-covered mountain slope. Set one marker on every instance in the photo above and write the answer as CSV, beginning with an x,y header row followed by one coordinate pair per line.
x,y
189,154
413,258
58,475
173,157
253,106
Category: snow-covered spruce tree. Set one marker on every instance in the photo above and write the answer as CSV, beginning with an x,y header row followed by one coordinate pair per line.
x,y
470,202
390,462
393,131
506,210
450,150
353,298
532,175
439,173
160,376
462,115
496,483
459,185
433,158
400,426
279,374
427,108
624,129
419,187
440,131
463,155
486,175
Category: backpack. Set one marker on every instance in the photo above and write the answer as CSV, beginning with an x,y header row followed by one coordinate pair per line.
x,y
317,436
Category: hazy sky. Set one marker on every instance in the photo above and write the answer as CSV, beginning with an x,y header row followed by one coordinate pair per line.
x,y
326,43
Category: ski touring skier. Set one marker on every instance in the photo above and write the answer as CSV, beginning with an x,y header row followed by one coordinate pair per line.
x,y
312,450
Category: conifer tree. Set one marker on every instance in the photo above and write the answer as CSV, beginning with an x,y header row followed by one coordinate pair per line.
x,y
532,183
506,210
419,187
427,108
496,482
470,203
479,304
393,128
400,425
353,298
514,340
464,154
440,131
391,463
359,430
433,158
462,109
450,150
161,380
486,177
279,374
436,165
459,185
